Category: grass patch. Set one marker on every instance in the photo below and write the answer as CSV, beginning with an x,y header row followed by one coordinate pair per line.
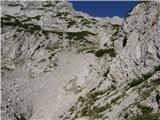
x,y
146,117
157,68
136,82
144,77
80,17
149,88
48,4
147,75
87,103
146,114
101,109
91,51
95,112
116,26
93,95
46,33
140,80
87,22
114,100
72,109
71,23
81,99
14,22
147,93
62,14
52,47
87,107
155,82
114,35
145,109
101,52
87,50
30,18
78,35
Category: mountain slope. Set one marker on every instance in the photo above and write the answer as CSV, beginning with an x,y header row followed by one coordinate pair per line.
x,y
58,63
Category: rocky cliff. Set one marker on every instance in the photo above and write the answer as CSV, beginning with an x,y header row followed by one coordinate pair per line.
x,y
60,64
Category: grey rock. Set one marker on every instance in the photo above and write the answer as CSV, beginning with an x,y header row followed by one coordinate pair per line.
x,y
45,44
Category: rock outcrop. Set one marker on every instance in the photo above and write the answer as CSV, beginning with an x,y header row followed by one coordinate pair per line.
x,y
60,64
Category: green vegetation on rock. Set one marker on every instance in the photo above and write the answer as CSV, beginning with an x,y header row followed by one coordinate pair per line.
x,y
61,14
71,23
144,77
140,80
101,52
145,109
14,22
87,22
146,114
114,100
157,68
146,117
78,35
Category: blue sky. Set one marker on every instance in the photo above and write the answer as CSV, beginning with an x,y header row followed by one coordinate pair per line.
x,y
104,8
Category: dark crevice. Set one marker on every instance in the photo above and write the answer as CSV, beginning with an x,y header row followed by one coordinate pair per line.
x,y
158,55
106,44
124,41
20,117
106,73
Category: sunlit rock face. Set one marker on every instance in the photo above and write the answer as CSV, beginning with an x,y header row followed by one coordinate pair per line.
x,y
60,64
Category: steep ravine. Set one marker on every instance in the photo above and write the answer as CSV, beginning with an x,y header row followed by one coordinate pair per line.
x,y
60,64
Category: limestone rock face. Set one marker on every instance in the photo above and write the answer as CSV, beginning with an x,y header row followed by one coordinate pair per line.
x,y
60,64
141,51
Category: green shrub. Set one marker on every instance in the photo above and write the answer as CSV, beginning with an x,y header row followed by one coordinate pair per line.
x,y
71,23
101,109
114,35
61,14
52,47
146,114
85,22
147,93
140,80
156,82
145,109
115,27
147,75
71,109
115,99
101,52
14,22
136,82
146,117
157,68
84,111
81,99
90,51
49,4
94,95
78,35
95,111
